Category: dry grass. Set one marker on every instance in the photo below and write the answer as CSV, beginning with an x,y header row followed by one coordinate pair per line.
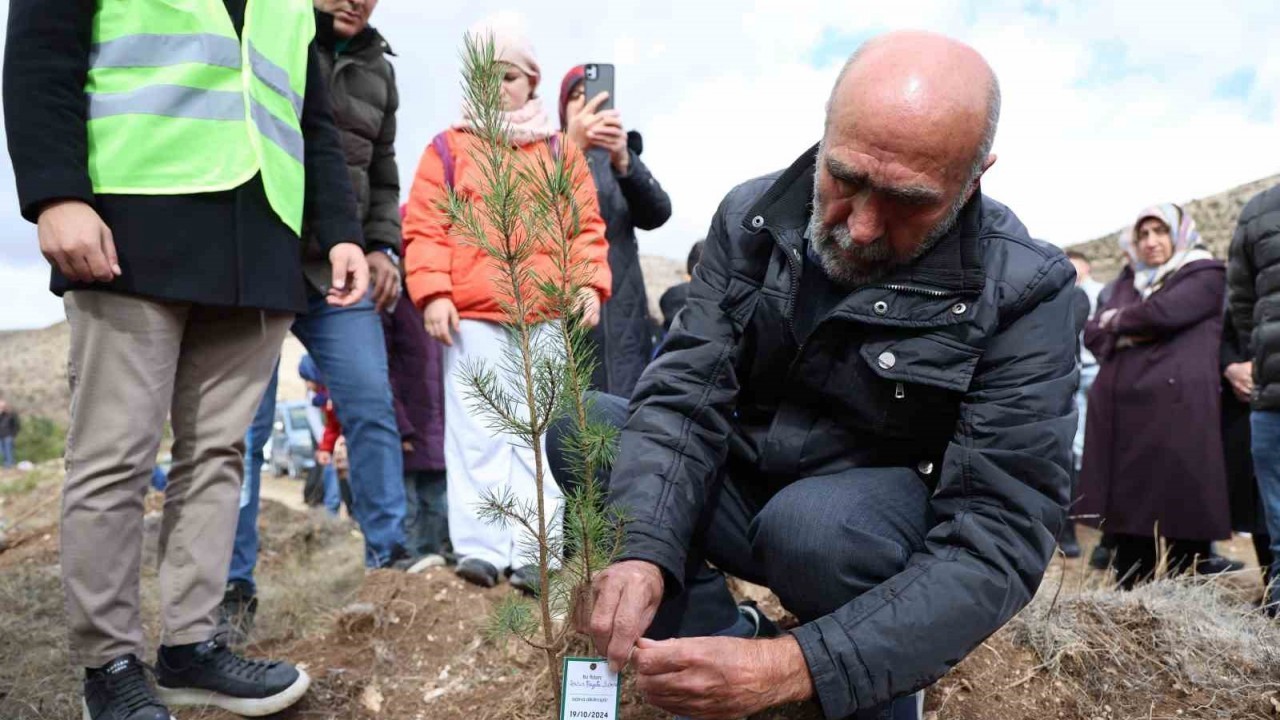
x,y
1182,647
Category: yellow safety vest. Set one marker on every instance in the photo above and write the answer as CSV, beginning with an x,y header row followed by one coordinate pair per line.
x,y
178,104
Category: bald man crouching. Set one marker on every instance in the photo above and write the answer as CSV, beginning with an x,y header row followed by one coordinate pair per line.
x,y
866,406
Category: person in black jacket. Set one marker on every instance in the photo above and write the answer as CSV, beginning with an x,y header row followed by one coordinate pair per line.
x,y
866,405
346,343
178,304
673,300
1247,514
630,199
1253,289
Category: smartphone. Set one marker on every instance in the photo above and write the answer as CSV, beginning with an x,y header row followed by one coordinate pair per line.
x,y
599,78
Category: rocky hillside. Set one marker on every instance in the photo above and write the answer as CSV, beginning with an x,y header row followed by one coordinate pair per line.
x,y
33,371
1215,215
33,363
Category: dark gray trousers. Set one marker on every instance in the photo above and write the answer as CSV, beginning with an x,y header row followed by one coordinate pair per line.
x,y
817,544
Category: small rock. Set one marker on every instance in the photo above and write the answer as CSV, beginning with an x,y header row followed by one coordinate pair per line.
x,y
372,699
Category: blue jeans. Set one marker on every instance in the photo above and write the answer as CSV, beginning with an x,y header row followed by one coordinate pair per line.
x,y
348,347
1266,466
1088,373
332,493
6,451
426,519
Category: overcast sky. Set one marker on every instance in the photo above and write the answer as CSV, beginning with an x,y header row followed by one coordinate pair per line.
x,y
1108,106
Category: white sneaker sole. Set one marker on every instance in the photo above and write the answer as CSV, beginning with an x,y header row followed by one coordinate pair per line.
x,y
248,707
87,716
428,561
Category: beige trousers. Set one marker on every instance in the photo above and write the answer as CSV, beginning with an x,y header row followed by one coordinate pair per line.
x,y
132,362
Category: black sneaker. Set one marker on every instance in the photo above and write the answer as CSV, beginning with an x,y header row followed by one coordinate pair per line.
x,y
478,572
119,691
208,673
237,612
400,560
526,579
1216,564
1067,541
1100,558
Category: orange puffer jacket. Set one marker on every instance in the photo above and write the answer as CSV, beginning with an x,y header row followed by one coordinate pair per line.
x,y
439,263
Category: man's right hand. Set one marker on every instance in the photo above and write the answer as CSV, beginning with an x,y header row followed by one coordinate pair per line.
x,y
626,597
76,241
441,319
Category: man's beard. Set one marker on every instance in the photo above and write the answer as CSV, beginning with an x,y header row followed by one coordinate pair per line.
x,y
853,265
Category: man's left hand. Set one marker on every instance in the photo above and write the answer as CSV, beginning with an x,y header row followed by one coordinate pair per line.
x,y
720,678
384,278
350,275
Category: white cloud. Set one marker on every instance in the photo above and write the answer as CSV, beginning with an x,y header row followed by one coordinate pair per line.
x,y
28,302
1108,106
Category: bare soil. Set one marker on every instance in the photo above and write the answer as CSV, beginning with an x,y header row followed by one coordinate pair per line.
x,y
390,646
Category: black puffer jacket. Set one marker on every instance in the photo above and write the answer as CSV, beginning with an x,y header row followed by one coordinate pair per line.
x,y
624,336
1253,286
961,367
362,84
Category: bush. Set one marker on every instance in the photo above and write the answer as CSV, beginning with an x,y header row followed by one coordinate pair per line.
x,y
40,439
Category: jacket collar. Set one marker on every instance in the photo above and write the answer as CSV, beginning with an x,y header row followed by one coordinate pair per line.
x,y
369,42
954,264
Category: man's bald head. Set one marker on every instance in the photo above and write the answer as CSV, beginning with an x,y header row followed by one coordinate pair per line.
x,y
916,72
909,129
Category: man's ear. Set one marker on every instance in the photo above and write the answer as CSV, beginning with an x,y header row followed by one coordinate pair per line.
x,y
977,181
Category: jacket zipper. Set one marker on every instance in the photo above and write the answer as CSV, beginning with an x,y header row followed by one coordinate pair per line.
x,y
916,290
793,260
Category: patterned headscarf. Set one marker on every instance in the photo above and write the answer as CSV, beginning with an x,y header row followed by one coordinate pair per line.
x,y
1187,246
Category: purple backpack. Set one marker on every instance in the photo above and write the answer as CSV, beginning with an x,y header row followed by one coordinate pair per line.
x,y
441,144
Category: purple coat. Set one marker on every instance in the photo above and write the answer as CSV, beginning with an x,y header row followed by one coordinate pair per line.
x,y
415,362
1153,451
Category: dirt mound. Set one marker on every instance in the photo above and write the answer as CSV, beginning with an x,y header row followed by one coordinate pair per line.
x,y
413,647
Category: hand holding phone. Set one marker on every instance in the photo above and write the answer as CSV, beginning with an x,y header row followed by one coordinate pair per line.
x,y
598,78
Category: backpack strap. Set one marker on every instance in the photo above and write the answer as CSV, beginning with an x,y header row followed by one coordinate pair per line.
x,y
441,144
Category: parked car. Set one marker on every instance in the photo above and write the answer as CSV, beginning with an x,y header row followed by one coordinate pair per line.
x,y
293,449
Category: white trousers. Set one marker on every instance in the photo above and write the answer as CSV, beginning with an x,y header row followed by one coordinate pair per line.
x,y
482,461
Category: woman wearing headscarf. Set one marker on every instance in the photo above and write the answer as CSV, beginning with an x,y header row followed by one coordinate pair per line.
x,y
462,294
1153,467
630,199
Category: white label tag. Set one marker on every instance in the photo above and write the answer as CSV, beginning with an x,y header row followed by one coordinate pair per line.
x,y
590,690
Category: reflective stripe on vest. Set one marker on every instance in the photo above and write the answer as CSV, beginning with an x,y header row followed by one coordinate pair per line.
x,y
180,101
172,90
166,50
274,77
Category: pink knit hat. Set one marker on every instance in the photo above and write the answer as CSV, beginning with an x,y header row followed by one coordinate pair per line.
x,y
510,46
